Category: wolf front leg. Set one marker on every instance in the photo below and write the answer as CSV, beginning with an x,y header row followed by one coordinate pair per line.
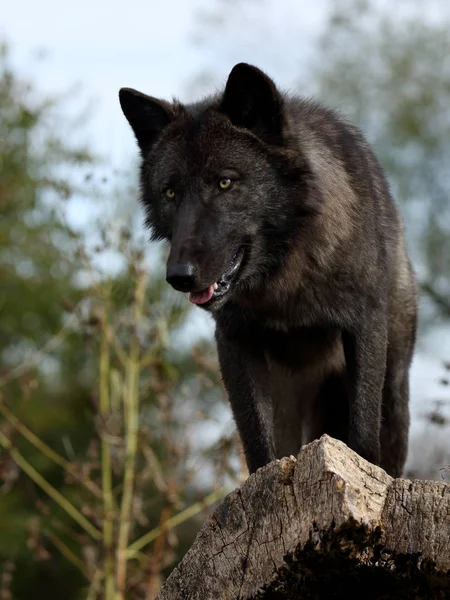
x,y
246,378
365,352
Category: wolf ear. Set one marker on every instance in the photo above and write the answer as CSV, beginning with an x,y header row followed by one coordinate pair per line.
x,y
147,116
252,101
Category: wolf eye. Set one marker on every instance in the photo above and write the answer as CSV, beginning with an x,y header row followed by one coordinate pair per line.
x,y
169,192
225,183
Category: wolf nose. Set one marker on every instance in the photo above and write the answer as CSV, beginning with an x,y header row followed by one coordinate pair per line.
x,y
182,277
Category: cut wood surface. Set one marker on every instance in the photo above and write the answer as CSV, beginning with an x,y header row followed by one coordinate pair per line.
x,y
322,525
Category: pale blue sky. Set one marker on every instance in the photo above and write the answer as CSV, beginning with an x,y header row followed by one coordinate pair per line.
x,y
106,44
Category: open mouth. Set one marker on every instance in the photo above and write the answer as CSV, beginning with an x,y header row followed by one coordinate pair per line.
x,y
222,286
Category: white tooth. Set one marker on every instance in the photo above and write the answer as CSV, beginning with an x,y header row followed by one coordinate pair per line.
x,y
215,286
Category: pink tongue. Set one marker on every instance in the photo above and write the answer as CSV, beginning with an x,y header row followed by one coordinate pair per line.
x,y
202,297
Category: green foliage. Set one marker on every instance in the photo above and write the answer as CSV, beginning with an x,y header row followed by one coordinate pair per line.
x,y
385,68
36,275
95,453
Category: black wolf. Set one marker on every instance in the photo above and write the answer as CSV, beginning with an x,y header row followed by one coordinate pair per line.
x,y
282,225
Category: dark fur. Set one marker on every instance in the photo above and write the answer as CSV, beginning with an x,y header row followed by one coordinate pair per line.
x,y
317,331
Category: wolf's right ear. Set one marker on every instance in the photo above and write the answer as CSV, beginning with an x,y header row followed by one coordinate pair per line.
x,y
147,116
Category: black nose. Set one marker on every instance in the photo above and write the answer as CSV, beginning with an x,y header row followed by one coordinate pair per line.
x,y
182,277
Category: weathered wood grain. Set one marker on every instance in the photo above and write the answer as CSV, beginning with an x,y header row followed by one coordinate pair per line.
x,y
338,517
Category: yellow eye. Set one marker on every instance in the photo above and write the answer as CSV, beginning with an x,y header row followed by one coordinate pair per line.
x,y
170,193
225,183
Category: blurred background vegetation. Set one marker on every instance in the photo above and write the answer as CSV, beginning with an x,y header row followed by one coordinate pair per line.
x,y
115,435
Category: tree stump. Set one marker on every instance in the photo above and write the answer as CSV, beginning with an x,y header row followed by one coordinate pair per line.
x,y
325,525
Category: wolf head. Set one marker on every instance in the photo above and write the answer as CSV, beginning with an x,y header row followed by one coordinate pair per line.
x,y
217,181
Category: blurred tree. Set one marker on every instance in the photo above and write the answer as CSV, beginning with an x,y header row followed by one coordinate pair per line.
x,y
35,277
87,355
387,67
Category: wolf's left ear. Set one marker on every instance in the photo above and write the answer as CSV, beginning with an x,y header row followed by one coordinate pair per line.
x,y
147,116
252,101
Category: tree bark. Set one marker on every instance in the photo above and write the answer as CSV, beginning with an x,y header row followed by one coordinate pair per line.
x,y
323,525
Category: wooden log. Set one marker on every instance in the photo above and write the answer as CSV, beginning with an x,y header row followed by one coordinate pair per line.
x,y
325,525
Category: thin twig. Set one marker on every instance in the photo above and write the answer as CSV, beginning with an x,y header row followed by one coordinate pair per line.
x,y
95,585
69,554
174,521
40,354
439,299
121,354
108,501
49,489
131,415
47,451
156,558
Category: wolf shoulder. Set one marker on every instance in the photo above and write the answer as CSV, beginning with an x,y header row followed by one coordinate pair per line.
x,y
328,137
